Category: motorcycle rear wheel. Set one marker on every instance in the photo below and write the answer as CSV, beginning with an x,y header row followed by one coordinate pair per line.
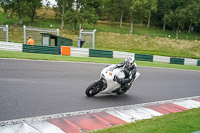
x,y
121,92
92,90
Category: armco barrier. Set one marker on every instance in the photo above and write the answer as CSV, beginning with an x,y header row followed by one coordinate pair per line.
x,y
100,53
122,55
40,49
11,46
79,52
143,57
177,61
164,59
190,62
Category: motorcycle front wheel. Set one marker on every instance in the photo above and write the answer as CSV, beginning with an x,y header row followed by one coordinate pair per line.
x,y
92,90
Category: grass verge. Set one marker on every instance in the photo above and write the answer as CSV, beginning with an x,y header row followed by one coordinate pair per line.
x,y
21,55
183,122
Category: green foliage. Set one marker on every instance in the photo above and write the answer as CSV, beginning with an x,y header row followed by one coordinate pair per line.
x,y
21,7
177,14
79,11
170,14
33,5
110,9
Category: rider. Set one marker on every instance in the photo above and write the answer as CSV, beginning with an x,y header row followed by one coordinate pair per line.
x,y
129,68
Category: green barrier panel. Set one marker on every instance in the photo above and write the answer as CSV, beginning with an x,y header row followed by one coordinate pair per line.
x,y
40,49
198,63
143,57
64,42
100,53
176,61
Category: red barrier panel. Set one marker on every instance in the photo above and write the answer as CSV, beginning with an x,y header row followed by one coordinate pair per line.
x,y
79,123
197,99
66,125
167,108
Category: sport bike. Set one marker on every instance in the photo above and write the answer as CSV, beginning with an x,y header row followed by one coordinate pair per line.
x,y
107,83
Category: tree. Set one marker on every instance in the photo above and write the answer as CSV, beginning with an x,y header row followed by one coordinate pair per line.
x,y
83,10
6,5
137,11
63,12
111,9
165,11
115,9
179,15
21,7
192,12
184,13
61,8
34,4
123,7
150,6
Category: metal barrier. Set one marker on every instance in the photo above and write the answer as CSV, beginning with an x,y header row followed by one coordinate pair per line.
x,y
11,46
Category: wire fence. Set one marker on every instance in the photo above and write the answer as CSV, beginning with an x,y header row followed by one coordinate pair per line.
x,y
35,33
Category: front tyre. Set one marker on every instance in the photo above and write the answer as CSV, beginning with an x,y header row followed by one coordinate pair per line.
x,y
92,90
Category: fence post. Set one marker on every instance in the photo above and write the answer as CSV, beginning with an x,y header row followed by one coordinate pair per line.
x,y
93,40
80,36
57,32
6,33
24,34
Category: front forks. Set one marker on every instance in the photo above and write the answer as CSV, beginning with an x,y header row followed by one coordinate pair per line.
x,y
100,84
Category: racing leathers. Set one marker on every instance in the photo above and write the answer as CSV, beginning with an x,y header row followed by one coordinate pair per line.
x,y
130,74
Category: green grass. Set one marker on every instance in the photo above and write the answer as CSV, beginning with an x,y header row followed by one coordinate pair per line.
x,y
21,55
183,122
140,31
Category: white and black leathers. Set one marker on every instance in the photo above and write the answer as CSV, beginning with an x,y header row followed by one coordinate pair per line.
x,y
129,75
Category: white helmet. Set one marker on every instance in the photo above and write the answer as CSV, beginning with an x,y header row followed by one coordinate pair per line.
x,y
129,62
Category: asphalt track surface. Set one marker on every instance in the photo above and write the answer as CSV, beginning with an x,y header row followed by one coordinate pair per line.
x,y
30,88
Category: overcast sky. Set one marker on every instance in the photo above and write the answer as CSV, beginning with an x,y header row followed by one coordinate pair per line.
x,y
53,2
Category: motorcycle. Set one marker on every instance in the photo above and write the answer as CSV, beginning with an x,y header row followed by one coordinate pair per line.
x,y
107,83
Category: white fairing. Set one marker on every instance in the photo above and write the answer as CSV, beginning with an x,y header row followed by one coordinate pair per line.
x,y
108,74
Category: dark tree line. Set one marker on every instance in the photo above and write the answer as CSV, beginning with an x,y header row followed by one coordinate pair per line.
x,y
21,7
168,14
172,14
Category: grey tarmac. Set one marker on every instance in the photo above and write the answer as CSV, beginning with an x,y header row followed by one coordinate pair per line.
x,y
30,88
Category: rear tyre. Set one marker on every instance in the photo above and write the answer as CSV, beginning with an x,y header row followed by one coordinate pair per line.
x,y
121,92
92,90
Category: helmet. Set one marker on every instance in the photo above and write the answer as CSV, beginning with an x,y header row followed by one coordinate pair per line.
x,y
129,62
